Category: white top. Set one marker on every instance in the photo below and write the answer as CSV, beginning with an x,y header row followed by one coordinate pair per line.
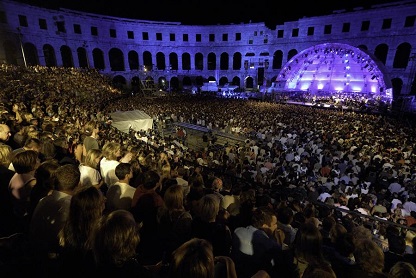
x,y
107,170
119,196
89,175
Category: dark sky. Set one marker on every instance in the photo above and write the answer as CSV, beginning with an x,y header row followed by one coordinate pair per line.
x,y
202,12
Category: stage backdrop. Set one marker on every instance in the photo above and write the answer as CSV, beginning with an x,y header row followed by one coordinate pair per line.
x,y
136,119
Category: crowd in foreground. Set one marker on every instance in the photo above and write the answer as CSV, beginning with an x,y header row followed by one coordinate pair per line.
x,y
309,193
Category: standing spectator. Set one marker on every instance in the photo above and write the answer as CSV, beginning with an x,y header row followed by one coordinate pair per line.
x,y
145,204
120,194
369,258
206,226
5,133
195,258
91,134
22,182
90,173
174,222
51,214
114,247
44,186
111,156
7,219
308,250
75,237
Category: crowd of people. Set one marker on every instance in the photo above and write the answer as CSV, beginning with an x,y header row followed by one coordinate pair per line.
x,y
308,192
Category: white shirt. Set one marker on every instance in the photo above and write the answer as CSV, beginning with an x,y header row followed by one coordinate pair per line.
x,y
89,175
119,196
107,170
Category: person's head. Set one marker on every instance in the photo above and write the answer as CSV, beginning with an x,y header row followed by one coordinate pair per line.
x,y
33,144
5,133
193,259
93,157
361,232
91,128
308,243
217,184
337,230
116,238
264,218
208,208
26,161
122,170
5,154
67,178
402,270
285,215
151,179
173,197
112,150
87,205
369,256
45,172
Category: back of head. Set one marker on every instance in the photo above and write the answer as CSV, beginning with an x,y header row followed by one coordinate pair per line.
x,y
89,127
91,158
402,270
110,150
208,207
369,256
116,238
5,154
285,215
45,171
193,259
261,216
66,177
122,170
33,144
87,205
173,197
25,161
308,243
151,179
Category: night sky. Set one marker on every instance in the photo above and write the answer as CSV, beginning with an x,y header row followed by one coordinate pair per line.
x,y
201,12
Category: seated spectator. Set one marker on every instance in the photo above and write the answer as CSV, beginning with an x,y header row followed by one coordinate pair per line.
x,y
255,247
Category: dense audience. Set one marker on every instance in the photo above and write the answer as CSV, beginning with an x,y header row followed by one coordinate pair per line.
x,y
303,192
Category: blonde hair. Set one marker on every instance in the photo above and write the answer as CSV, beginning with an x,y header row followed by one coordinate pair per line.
x,y
110,150
90,158
5,154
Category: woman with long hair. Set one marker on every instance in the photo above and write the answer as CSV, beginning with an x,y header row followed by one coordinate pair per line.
x,y
75,237
89,169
